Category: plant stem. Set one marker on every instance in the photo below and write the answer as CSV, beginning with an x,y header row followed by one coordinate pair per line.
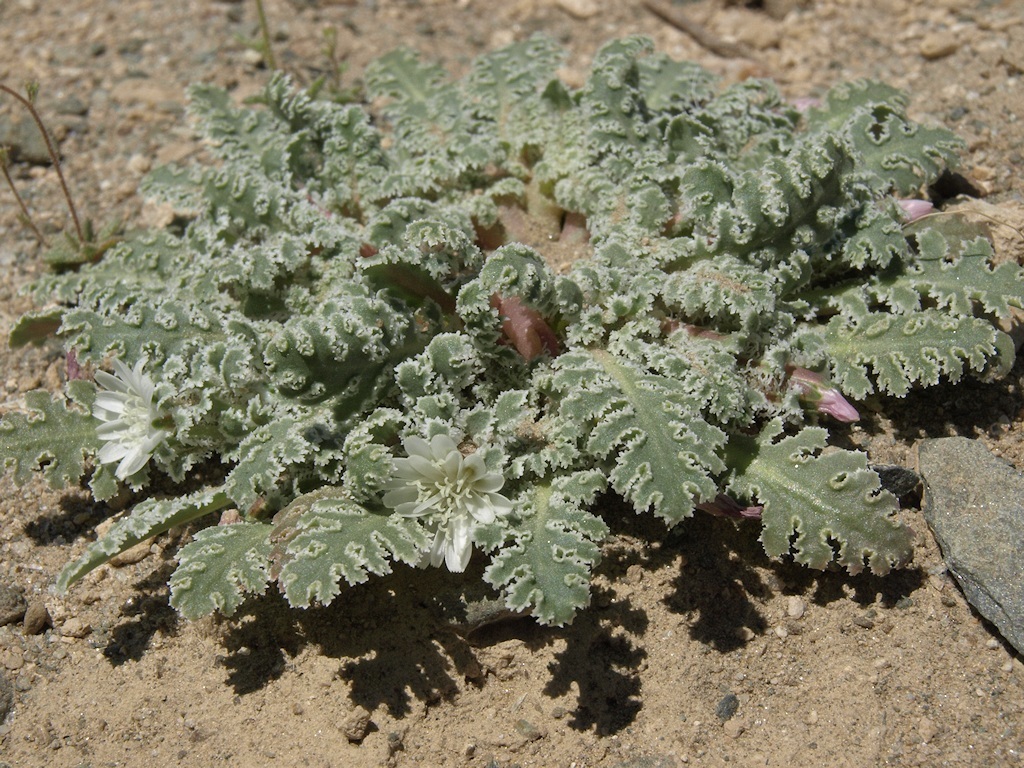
x,y
21,203
54,158
268,52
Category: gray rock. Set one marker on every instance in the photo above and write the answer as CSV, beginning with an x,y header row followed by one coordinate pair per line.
x,y
727,707
974,503
12,604
6,697
899,481
25,142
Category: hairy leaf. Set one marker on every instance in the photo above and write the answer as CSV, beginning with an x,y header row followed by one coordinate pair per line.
x,y
820,507
323,538
53,437
219,567
546,568
662,451
898,351
147,519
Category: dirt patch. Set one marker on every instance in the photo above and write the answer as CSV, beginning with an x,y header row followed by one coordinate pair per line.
x,y
697,649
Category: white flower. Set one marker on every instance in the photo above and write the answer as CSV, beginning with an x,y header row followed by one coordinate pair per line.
x,y
131,428
453,492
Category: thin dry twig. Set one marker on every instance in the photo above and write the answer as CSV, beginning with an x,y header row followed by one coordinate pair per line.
x,y
25,215
54,157
704,37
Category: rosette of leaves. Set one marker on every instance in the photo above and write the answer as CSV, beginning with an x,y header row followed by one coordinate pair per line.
x,y
355,275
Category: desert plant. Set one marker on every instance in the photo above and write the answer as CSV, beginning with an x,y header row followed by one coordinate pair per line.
x,y
363,326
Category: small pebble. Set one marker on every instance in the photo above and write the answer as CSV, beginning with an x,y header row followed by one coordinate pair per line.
x,y
75,627
252,58
938,45
12,605
6,697
733,728
37,618
746,634
528,730
396,742
139,164
132,555
927,729
13,660
579,9
727,707
356,725
795,607
634,574
71,105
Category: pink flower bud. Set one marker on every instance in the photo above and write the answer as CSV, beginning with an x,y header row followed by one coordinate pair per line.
x,y
726,506
813,389
915,209
524,327
804,103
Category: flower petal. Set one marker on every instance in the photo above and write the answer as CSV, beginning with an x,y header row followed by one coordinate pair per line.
x,y
441,446
460,546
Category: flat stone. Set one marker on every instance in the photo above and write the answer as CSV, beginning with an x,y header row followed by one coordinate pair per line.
x,y
974,504
76,628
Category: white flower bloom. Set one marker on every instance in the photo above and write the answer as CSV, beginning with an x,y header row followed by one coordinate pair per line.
x,y
453,492
131,428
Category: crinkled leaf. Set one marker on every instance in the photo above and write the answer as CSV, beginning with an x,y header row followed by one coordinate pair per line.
x,y
891,353
546,567
661,450
955,269
54,437
219,567
147,519
820,507
323,538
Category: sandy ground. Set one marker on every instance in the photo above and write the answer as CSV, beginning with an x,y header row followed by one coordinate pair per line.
x,y
697,649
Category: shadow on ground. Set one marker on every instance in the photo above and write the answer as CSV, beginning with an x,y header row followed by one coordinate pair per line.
x,y
395,645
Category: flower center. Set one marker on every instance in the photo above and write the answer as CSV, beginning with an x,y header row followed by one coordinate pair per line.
x,y
448,493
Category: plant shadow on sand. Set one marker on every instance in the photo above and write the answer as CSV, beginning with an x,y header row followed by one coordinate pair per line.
x,y
725,579
394,645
